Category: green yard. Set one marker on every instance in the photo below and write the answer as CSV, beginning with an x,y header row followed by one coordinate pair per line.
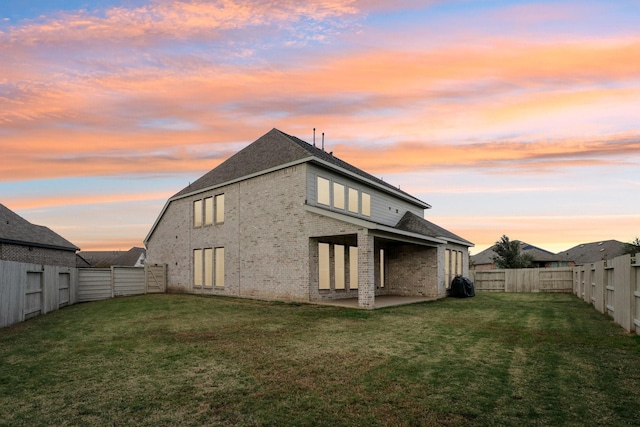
x,y
497,359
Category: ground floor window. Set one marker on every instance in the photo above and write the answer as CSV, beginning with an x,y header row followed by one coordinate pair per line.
x,y
342,262
338,256
208,267
353,267
197,267
382,268
219,267
452,265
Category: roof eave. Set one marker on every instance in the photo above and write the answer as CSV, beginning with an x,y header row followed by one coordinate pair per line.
x,y
458,241
39,245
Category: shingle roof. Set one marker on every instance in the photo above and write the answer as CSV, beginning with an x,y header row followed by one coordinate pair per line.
x,y
539,254
273,149
17,230
99,259
415,224
587,253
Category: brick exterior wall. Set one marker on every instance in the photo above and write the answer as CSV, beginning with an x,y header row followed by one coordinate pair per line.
x,y
271,247
37,255
265,235
412,270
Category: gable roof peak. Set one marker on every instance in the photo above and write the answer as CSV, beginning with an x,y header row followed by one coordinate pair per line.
x,y
275,149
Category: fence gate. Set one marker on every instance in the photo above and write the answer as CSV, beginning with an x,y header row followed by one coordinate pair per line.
x,y
156,278
33,295
64,287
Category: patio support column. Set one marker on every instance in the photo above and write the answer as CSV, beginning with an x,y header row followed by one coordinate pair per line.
x,y
366,268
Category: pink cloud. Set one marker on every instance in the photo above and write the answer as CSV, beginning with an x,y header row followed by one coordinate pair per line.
x,y
162,19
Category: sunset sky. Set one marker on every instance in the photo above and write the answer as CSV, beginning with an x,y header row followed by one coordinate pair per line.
x,y
508,117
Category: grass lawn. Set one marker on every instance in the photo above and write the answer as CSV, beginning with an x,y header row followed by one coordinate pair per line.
x,y
497,359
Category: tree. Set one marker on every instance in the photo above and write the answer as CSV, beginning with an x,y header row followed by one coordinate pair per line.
x,y
632,247
510,255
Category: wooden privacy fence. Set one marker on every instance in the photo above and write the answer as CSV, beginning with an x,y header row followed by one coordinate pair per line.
x,y
29,290
524,280
613,288
102,283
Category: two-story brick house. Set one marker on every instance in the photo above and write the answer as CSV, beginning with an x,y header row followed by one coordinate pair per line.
x,y
285,220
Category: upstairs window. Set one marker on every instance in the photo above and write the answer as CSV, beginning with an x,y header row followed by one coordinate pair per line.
x,y
208,211
197,213
353,200
338,196
366,204
323,191
342,197
219,208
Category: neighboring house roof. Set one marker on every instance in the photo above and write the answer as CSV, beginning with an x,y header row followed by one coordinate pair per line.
x,y
413,223
100,259
17,230
587,253
81,262
275,150
539,254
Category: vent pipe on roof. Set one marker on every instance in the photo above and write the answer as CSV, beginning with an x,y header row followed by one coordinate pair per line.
x,y
322,141
314,137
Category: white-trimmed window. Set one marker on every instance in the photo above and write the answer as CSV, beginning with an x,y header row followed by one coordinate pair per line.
x,y
197,213
366,204
324,280
197,267
208,211
353,267
338,195
353,200
208,267
447,267
338,264
342,197
459,262
219,267
219,203
323,191
382,268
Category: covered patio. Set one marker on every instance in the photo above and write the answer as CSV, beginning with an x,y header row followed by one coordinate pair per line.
x,y
374,268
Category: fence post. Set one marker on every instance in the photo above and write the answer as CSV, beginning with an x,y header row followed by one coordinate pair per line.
x,y
113,282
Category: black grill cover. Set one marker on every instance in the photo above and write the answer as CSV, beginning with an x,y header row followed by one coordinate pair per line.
x,y
462,287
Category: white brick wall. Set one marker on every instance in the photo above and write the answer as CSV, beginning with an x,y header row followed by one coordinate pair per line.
x,y
270,243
